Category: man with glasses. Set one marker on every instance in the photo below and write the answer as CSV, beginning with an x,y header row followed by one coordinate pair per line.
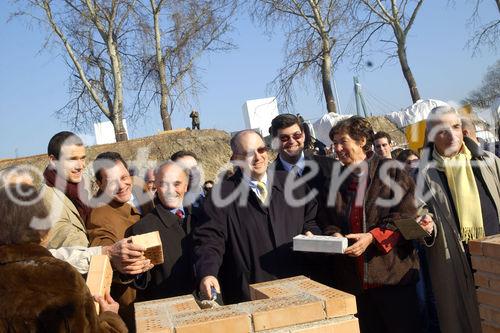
x,y
250,222
288,138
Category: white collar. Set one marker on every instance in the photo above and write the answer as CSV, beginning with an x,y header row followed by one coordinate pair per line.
x,y
253,182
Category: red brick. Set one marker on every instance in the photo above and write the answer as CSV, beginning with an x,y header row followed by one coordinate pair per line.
x,y
284,311
475,247
491,248
488,327
488,297
489,313
487,280
485,264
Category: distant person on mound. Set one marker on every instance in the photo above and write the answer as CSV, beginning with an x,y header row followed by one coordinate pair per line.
x,y
195,119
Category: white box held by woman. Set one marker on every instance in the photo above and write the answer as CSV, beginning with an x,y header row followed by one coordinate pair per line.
x,y
316,243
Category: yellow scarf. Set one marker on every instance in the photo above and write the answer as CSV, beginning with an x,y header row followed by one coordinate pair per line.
x,y
463,188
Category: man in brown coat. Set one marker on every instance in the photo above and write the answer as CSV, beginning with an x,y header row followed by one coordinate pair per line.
x,y
109,221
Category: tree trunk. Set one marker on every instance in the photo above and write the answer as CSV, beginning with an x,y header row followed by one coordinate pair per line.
x,y
120,133
403,60
165,115
326,78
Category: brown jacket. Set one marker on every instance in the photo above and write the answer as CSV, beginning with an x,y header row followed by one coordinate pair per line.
x,y
400,265
40,293
106,226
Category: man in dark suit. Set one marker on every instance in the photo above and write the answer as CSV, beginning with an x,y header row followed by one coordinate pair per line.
x,y
315,170
174,222
247,234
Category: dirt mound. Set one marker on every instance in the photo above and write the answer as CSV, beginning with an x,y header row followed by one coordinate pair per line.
x,y
381,123
211,147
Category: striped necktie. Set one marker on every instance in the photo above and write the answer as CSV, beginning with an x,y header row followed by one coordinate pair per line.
x,y
261,186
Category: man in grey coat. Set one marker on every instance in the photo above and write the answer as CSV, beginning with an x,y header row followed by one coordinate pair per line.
x,y
460,184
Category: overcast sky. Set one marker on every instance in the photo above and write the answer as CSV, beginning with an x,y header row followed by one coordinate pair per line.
x,y
33,83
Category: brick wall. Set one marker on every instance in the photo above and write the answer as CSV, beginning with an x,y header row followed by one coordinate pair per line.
x,y
485,254
295,305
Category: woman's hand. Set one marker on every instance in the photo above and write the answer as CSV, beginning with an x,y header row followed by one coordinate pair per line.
x,y
359,247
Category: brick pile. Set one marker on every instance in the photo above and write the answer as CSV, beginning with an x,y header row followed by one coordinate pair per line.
x,y
485,256
297,305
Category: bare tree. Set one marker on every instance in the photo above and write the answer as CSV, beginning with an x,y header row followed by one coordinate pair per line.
x,y
92,35
373,18
312,29
489,91
485,34
182,32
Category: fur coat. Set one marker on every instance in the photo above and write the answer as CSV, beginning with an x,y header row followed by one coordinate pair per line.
x,y
40,293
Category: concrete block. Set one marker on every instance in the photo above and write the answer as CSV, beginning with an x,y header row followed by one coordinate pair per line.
x,y
316,243
223,319
347,324
337,303
275,287
99,277
156,316
152,242
284,311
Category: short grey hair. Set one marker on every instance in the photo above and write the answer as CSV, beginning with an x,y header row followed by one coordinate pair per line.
x,y
167,163
439,111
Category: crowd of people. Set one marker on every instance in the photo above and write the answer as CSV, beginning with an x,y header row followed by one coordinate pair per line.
x,y
221,236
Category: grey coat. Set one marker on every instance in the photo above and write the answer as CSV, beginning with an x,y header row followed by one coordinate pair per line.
x,y
449,269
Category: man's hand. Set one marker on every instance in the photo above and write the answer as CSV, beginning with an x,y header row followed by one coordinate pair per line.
x,y
127,257
107,303
427,223
359,247
337,234
206,285
309,234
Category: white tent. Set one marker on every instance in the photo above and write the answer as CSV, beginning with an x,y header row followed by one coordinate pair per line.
x,y
414,113
323,126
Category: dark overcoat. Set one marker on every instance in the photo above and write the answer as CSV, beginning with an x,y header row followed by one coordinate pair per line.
x,y
248,243
175,276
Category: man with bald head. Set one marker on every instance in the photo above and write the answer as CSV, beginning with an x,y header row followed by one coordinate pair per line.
x,y
249,223
174,222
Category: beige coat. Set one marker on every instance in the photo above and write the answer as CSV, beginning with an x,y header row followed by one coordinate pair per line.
x,y
68,227
451,276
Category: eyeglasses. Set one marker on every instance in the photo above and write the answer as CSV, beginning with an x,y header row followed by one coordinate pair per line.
x,y
260,150
285,137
